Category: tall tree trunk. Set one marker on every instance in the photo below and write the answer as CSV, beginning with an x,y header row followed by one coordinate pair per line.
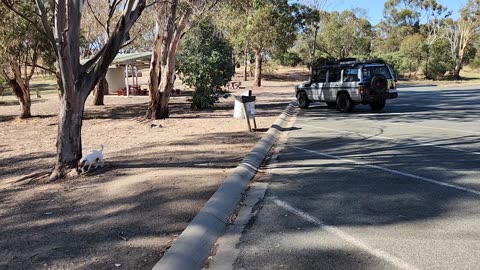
x,y
258,69
69,135
155,73
23,97
245,62
456,71
26,105
102,87
20,89
458,64
170,34
162,97
76,80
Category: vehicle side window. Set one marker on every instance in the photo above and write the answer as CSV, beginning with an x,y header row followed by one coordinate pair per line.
x,y
334,75
350,75
320,76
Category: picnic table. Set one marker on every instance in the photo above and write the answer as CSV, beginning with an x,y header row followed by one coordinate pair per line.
x,y
133,90
233,84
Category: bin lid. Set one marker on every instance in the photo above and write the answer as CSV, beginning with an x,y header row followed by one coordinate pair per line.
x,y
246,99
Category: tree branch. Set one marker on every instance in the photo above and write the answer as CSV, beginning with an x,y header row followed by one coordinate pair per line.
x,y
46,26
93,60
133,9
26,18
45,68
95,16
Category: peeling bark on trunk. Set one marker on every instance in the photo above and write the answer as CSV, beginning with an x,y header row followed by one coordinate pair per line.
x,y
154,78
459,63
162,65
165,90
69,136
77,80
258,69
102,87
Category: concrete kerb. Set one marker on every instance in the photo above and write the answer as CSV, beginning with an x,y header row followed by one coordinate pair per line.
x,y
193,245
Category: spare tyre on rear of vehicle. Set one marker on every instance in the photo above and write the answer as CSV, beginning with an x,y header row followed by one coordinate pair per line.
x,y
379,83
378,87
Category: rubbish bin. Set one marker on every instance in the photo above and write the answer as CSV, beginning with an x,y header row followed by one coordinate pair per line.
x,y
238,110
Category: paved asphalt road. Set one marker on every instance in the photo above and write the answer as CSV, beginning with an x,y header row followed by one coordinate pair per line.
x,y
392,190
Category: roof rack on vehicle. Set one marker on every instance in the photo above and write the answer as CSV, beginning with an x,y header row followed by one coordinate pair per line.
x,y
347,62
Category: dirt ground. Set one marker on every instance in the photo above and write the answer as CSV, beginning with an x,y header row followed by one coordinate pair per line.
x,y
157,176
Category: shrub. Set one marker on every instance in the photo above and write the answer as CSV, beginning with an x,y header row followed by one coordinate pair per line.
x,y
290,59
206,63
436,71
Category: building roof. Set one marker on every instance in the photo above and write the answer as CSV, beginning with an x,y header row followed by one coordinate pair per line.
x,y
133,58
140,59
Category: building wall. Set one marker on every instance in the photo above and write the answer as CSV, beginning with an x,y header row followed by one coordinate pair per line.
x,y
116,79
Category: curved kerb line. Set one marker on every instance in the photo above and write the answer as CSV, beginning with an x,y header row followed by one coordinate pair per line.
x,y
395,261
476,192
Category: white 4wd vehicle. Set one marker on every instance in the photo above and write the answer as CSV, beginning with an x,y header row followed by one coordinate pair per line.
x,y
347,84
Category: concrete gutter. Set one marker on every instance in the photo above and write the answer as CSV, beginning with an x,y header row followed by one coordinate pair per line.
x,y
192,247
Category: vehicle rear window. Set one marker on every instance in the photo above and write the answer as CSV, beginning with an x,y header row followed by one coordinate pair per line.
x,y
369,72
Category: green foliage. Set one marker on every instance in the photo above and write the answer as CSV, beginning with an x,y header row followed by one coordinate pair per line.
x,y
343,35
440,60
269,67
412,50
394,60
271,27
475,61
402,13
290,59
19,40
205,61
436,71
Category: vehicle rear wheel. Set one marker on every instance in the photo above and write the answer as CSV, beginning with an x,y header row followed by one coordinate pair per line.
x,y
377,105
331,104
303,101
344,103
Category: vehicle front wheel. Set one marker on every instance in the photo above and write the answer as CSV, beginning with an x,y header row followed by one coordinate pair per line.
x,y
303,101
377,105
344,103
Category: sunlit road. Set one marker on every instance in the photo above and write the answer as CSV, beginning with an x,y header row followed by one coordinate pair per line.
x,y
392,190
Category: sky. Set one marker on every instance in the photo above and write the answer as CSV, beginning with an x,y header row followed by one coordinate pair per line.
x,y
374,8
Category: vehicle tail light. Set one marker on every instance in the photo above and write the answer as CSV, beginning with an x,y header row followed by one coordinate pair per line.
x,y
362,90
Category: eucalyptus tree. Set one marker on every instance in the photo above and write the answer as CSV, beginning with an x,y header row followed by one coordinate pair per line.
x,y
172,21
60,23
461,34
21,51
272,27
407,17
233,17
413,49
345,34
